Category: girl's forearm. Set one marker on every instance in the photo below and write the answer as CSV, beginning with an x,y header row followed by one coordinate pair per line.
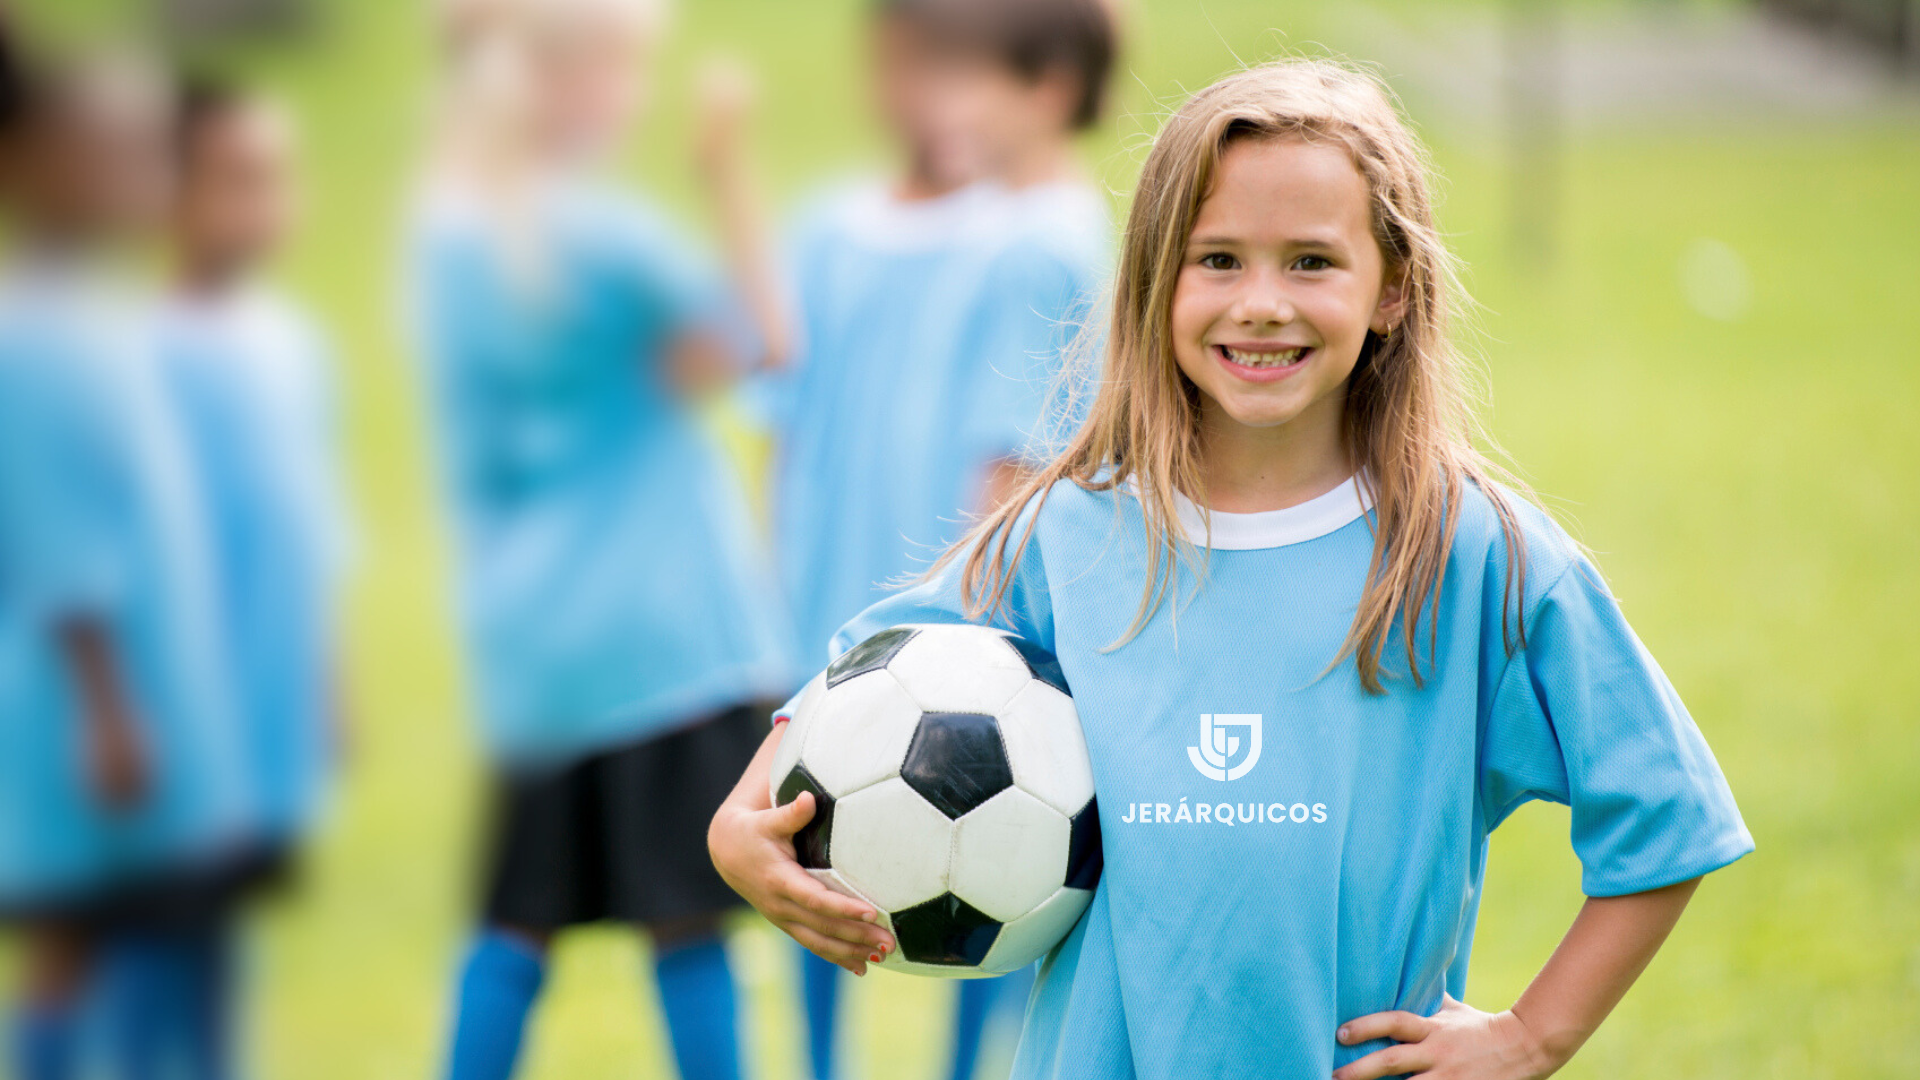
x,y
1609,945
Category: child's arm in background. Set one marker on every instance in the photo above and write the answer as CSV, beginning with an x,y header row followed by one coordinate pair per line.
x,y
751,842
726,101
116,760
1609,945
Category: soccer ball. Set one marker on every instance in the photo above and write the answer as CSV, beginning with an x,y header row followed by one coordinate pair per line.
x,y
952,792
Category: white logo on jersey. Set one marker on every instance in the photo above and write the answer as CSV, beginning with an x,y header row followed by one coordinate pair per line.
x,y
1218,745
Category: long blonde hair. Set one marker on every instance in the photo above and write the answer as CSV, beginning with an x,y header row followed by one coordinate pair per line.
x,y
1410,428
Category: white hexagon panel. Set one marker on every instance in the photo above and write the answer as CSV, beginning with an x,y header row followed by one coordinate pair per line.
x,y
1008,854
1046,748
959,669
891,845
858,734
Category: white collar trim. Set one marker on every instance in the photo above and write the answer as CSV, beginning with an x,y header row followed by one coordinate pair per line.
x,y
1309,520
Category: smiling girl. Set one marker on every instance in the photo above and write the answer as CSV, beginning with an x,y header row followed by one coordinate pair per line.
x,y
1276,571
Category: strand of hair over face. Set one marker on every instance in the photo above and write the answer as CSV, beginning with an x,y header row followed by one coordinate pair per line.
x,y
1409,431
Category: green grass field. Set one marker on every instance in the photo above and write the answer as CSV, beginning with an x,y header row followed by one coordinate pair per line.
x,y
1749,486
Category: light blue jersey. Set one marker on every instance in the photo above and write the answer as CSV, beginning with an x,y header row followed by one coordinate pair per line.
x,y
930,332
1285,852
608,579
250,378
100,520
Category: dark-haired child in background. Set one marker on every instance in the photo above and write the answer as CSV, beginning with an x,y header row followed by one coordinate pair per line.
x,y
124,800
248,378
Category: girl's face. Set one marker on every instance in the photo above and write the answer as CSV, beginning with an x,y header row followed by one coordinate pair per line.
x,y
1281,282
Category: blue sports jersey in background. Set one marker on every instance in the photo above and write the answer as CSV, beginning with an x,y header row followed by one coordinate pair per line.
x,y
250,378
609,584
100,519
930,331
1285,852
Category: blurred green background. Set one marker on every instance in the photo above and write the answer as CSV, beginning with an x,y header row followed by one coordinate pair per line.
x,y
1703,354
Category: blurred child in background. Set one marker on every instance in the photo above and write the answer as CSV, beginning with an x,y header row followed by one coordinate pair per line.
x,y
250,382
615,617
931,308
123,800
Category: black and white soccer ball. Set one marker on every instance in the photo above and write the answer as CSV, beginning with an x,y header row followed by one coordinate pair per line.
x,y
953,793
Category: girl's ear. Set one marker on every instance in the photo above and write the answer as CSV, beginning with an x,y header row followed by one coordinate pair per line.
x,y
1393,302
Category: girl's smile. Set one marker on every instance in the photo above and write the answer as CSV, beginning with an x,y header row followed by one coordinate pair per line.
x,y
1262,361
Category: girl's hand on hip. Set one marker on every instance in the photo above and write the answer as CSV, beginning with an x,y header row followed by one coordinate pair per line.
x,y
1457,1043
753,850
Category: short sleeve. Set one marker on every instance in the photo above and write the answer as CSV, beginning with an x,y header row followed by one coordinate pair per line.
x,y
60,491
1027,609
1029,312
1584,716
332,518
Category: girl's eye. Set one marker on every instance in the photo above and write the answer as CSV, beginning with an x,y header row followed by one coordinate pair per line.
x,y
1311,262
1218,260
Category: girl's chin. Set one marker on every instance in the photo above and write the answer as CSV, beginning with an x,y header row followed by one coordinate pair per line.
x,y
1261,414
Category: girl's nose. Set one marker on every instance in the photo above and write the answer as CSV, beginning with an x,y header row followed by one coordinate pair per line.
x,y
1260,303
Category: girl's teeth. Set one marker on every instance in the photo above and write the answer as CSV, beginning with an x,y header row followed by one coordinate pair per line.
x,y
1262,360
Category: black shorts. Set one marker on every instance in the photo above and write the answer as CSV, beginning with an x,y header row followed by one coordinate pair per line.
x,y
194,896
621,835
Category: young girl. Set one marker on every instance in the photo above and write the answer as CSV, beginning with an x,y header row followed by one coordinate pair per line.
x,y
615,621
1318,650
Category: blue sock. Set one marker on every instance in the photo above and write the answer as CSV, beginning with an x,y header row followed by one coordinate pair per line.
x,y
141,992
498,984
43,1038
703,1014
206,1022
820,985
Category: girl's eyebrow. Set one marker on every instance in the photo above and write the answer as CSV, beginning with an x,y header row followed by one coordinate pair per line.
x,y
1310,243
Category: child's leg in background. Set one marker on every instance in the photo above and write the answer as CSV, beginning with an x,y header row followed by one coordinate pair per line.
x,y
166,1000
45,1029
698,996
207,1024
820,985
499,982
979,1002
139,995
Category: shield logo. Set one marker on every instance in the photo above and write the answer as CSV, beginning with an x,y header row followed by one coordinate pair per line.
x,y
1222,738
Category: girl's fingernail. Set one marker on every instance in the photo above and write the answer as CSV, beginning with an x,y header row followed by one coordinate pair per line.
x,y
870,916
1342,1035
874,959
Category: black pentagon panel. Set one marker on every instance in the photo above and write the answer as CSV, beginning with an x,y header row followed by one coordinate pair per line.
x,y
870,655
1042,663
945,930
1084,860
956,761
810,843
